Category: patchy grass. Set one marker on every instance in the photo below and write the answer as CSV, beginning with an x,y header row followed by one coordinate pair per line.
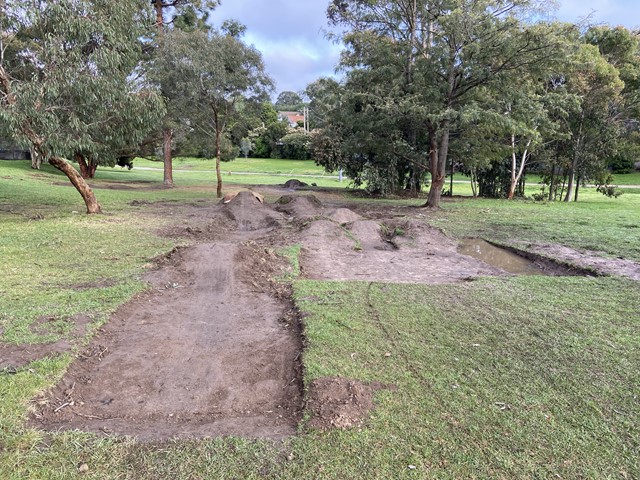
x,y
507,378
292,254
594,223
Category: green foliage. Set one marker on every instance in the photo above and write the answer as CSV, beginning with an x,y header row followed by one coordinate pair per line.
x,y
70,77
406,86
296,146
288,101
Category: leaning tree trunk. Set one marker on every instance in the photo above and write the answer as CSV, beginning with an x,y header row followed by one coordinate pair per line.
x,y
76,179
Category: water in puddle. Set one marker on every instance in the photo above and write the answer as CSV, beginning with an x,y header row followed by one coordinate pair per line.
x,y
498,257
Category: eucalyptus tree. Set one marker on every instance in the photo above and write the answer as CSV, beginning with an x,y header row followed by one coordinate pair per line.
x,y
447,49
68,86
592,126
212,72
185,15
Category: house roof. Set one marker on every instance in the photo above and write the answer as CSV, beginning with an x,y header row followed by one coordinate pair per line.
x,y
292,117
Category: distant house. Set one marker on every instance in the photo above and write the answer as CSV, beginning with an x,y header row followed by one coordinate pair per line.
x,y
292,117
8,151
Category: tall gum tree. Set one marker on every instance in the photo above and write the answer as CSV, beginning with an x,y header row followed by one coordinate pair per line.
x,y
449,48
213,72
61,92
185,15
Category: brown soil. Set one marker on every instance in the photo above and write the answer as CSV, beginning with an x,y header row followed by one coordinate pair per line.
x,y
340,402
210,351
596,262
14,356
214,348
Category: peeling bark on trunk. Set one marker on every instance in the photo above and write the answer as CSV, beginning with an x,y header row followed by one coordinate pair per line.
x,y
516,172
167,136
76,179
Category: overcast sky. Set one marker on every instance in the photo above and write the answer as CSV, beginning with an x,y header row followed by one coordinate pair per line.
x,y
289,33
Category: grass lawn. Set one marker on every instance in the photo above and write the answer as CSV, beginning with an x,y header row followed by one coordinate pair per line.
x,y
255,165
501,378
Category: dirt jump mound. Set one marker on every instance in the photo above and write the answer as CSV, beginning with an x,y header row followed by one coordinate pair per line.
x,y
294,183
301,207
249,212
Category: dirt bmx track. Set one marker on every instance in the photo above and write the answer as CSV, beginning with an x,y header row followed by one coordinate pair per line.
x,y
214,348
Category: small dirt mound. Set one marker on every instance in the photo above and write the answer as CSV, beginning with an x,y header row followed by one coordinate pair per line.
x,y
343,215
301,207
294,183
325,236
368,234
340,403
249,213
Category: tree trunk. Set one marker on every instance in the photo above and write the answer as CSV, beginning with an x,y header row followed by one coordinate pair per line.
x,y
572,177
158,6
93,166
516,172
438,163
167,136
76,179
564,183
574,163
575,199
552,182
36,158
218,174
82,163
474,185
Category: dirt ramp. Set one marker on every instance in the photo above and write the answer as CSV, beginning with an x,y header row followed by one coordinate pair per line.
x,y
205,354
249,212
327,236
369,235
362,250
343,215
301,207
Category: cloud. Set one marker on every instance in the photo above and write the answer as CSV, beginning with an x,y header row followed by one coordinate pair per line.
x,y
614,12
291,36
291,33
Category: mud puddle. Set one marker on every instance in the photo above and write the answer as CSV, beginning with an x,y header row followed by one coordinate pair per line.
x,y
500,257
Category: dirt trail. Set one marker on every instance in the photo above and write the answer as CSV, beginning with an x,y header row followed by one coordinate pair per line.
x,y
213,348
204,354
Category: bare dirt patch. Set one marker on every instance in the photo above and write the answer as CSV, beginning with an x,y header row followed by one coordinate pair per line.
x,y
14,356
587,259
365,250
340,403
212,350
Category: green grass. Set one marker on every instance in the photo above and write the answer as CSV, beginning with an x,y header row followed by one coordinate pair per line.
x,y
525,378
256,165
594,223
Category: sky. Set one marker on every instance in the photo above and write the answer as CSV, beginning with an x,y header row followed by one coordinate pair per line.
x,y
291,33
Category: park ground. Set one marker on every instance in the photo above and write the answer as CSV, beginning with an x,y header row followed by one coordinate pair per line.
x,y
356,338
